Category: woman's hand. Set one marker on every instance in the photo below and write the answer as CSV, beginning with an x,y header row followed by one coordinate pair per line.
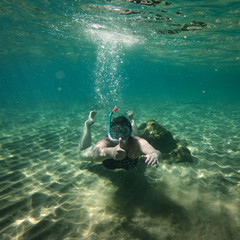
x,y
117,152
152,158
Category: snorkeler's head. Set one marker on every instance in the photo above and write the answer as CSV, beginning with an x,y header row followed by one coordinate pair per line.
x,y
120,127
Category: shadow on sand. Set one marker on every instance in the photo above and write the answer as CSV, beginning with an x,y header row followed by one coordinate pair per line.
x,y
135,192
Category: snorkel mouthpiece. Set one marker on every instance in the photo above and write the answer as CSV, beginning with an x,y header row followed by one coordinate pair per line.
x,y
109,125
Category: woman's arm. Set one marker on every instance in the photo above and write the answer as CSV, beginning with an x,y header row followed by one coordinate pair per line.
x,y
150,154
105,149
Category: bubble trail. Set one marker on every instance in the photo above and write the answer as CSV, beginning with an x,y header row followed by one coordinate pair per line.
x,y
110,78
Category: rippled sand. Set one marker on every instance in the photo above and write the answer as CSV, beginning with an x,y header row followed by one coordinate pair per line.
x,y
46,192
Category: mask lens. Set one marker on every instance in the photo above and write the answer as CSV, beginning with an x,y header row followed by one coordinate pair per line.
x,y
120,132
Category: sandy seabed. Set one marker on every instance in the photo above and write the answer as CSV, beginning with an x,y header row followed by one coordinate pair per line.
x,y
47,192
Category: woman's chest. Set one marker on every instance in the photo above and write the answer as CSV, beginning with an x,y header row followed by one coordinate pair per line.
x,y
133,151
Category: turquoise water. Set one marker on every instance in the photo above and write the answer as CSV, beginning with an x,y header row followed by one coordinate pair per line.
x,y
176,62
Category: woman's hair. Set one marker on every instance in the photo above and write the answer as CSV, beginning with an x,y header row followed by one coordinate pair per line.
x,y
122,121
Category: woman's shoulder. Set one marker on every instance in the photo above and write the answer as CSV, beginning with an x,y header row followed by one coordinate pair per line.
x,y
136,138
106,142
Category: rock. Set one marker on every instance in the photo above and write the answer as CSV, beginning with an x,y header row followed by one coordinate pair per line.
x,y
157,1
180,154
158,136
169,31
194,25
142,2
168,3
128,12
162,139
150,3
179,13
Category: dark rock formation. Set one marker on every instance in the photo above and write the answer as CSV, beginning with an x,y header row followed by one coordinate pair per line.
x,y
180,154
161,139
191,26
194,25
169,31
158,136
128,12
150,2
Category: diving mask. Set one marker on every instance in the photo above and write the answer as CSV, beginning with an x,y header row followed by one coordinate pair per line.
x,y
117,131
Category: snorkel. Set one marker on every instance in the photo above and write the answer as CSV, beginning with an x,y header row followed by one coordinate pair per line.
x,y
109,125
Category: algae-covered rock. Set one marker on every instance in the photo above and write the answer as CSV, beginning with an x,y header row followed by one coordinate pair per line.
x,y
162,139
157,135
180,154
194,25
